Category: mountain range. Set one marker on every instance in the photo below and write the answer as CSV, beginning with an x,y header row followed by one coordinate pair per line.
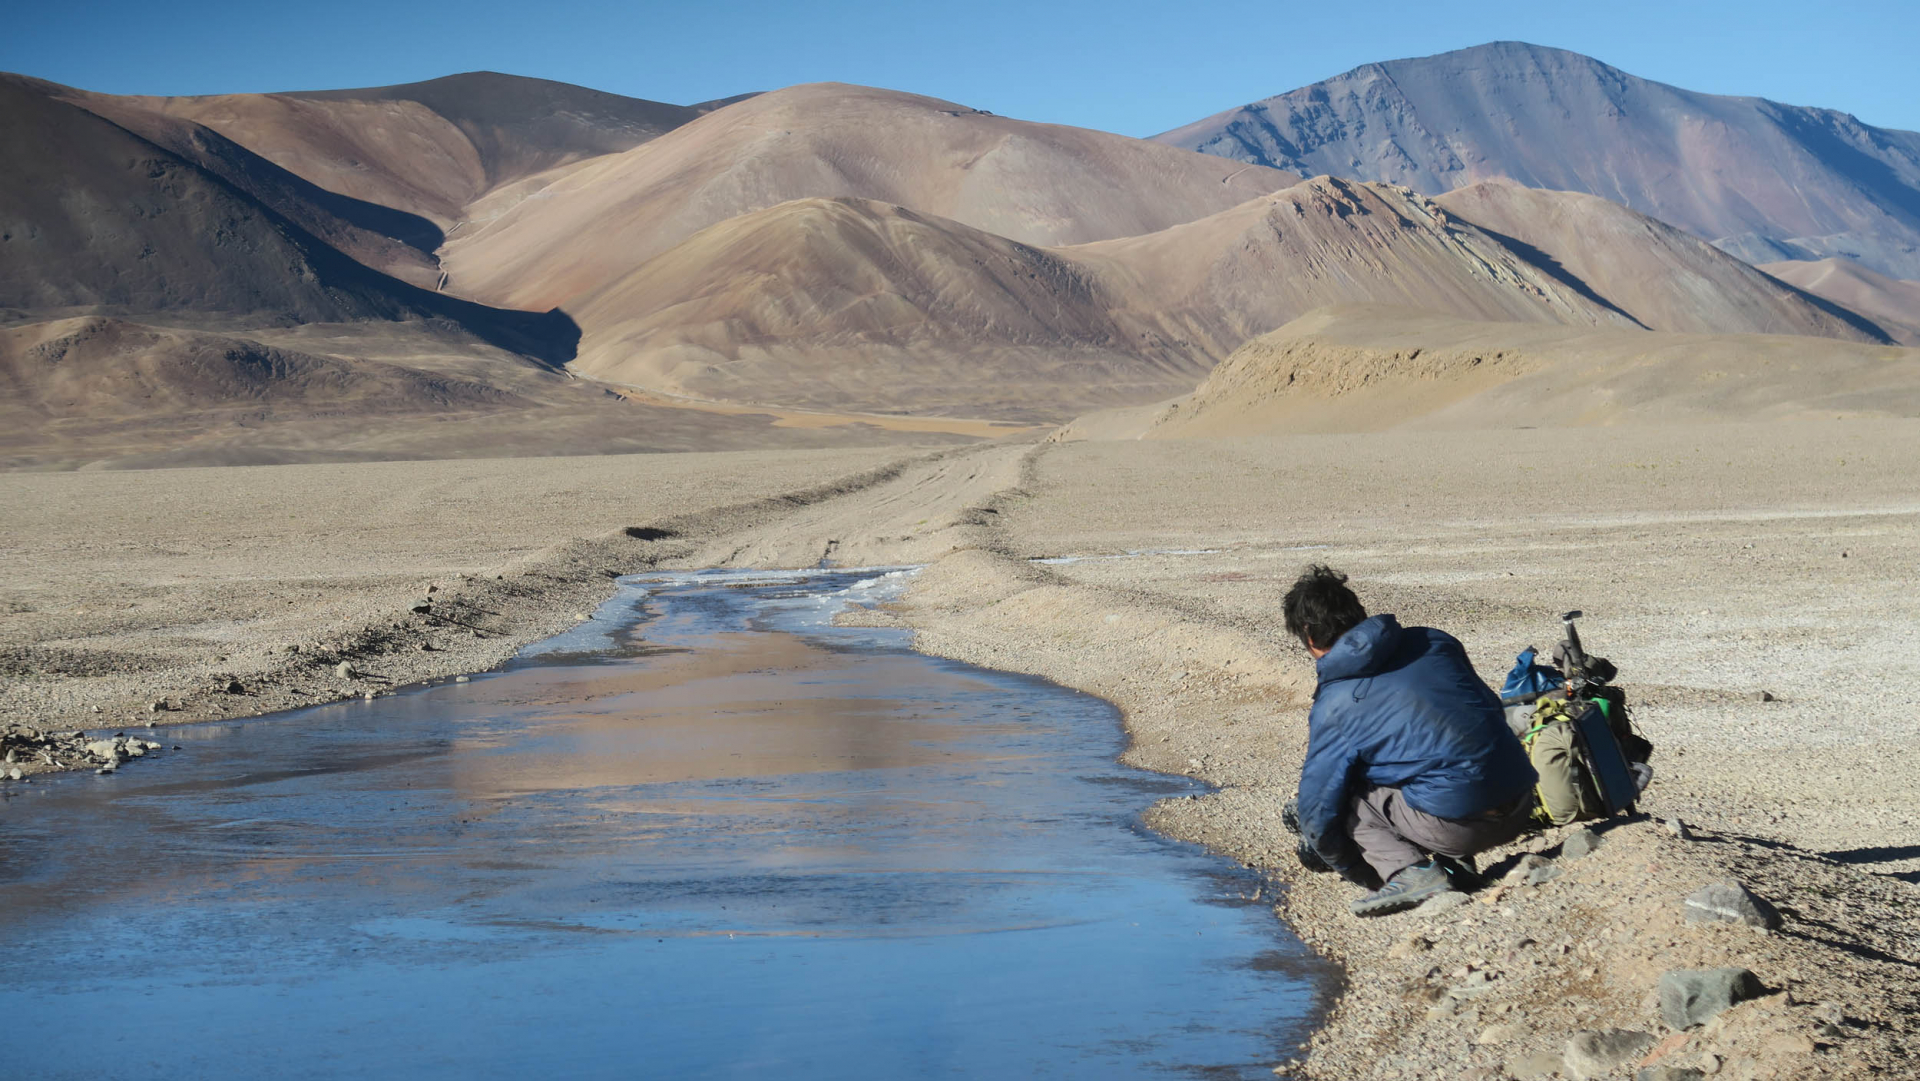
x,y
509,255
1762,180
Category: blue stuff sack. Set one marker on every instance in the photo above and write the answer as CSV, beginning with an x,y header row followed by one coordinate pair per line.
x,y
1530,678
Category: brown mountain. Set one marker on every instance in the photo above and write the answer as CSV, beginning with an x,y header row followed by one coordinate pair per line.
x,y
1891,303
858,304
1664,278
95,218
431,148
1762,180
1033,183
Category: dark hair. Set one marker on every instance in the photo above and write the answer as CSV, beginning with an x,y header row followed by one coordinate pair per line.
x,y
1320,608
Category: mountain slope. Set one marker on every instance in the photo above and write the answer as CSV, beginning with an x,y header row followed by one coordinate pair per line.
x,y
1664,278
857,304
1368,368
431,148
1762,180
1890,302
96,219
1033,183
1214,283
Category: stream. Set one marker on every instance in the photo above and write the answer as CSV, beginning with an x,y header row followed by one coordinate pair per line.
x,y
704,834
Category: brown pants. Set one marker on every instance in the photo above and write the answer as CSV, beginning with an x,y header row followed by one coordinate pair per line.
x,y
1393,836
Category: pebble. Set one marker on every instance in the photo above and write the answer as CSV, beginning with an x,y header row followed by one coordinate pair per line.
x,y
1539,1064
1441,902
14,774
462,679
1544,873
1599,1052
1670,1073
1410,945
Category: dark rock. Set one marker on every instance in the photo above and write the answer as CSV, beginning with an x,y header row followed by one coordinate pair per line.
x,y
1597,1053
1579,843
1730,902
1670,1073
1690,997
1528,863
234,687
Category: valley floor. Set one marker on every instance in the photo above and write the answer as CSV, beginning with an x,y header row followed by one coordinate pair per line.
x,y
1715,562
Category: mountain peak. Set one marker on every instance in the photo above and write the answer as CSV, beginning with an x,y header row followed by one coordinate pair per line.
x,y
1761,179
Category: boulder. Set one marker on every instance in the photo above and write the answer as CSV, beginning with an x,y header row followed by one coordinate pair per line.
x,y
105,749
344,670
1730,902
1600,1052
1690,997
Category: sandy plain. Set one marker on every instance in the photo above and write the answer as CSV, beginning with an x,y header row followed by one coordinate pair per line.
x,y
1714,562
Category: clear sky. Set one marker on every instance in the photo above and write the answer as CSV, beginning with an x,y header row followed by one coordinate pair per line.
x,y
1120,65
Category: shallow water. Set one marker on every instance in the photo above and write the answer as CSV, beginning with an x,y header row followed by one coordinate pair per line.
x,y
704,835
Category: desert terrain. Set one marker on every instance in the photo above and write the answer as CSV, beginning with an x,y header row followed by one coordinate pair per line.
x,y
319,395
1747,578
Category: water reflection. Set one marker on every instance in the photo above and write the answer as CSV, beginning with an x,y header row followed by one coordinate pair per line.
x,y
702,836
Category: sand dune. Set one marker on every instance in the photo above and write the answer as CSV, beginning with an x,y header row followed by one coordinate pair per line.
x,y
1366,368
1664,278
1893,304
1034,183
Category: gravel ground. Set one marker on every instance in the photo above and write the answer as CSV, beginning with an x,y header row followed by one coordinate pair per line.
x,y
1715,564
193,594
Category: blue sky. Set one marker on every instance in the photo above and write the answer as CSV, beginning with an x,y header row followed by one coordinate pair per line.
x,y
1119,65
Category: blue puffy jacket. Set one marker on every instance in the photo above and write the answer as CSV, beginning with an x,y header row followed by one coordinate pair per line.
x,y
1401,707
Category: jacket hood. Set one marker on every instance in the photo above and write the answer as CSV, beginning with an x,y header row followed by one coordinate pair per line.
x,y
1362,651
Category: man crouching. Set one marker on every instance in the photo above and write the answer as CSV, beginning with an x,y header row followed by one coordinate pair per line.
x,y
1410,764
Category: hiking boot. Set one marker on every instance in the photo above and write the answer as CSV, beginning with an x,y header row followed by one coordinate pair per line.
x,y
1408,887
1460,873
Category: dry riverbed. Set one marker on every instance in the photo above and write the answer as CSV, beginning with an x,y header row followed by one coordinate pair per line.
x,y
1720,566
